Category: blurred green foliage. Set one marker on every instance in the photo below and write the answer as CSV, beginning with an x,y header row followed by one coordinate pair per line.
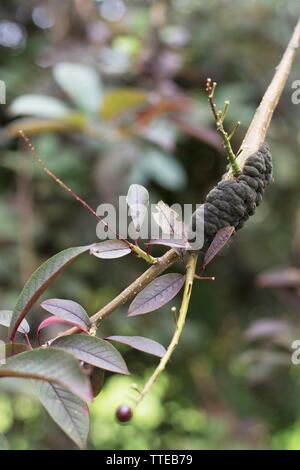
x,y
221,390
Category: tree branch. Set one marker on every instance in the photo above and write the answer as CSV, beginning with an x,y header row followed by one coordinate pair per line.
x,y
258,128
163,263
190,273
255,136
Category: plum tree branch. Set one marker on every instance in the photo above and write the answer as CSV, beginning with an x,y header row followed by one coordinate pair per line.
x,y
254,137
260,123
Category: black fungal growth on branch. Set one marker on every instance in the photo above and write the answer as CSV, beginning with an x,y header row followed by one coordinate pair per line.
x,y
233,201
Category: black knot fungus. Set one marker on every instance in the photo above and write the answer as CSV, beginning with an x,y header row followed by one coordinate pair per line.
x,y
233,201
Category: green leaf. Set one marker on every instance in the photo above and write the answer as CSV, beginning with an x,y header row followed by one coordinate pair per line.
x,y
66,409
39,106
81,83
94,351
51,365
120,101
39,281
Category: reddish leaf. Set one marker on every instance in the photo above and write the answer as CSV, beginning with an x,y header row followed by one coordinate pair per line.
x,y
158,293
110,249
142,344
68,310
38,283
219,241
55,321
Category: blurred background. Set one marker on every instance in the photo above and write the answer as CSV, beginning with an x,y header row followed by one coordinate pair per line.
x,y
144,118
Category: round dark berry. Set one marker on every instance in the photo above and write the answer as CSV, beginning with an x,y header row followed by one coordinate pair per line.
x,y
124,413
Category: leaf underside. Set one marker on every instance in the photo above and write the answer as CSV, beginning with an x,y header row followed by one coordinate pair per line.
x,y
219,241
68,411
68,310
110,249
141,344
156,294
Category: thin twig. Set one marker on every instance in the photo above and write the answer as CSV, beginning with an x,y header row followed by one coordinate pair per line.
x,y
24,203
219,118
57,179
191,269
137,250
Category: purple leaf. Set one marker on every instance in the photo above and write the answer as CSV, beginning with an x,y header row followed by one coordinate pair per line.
x,y
66,409
68,310
96,377
5,320
138,201
51,365
38,283
158,293
142,344
110,249
94,351
219,241
55,321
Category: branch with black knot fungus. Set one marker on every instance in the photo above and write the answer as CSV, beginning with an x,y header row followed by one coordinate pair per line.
x,y
233,201
230,203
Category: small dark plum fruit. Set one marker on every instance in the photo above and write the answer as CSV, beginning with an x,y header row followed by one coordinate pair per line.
x,y
124,413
